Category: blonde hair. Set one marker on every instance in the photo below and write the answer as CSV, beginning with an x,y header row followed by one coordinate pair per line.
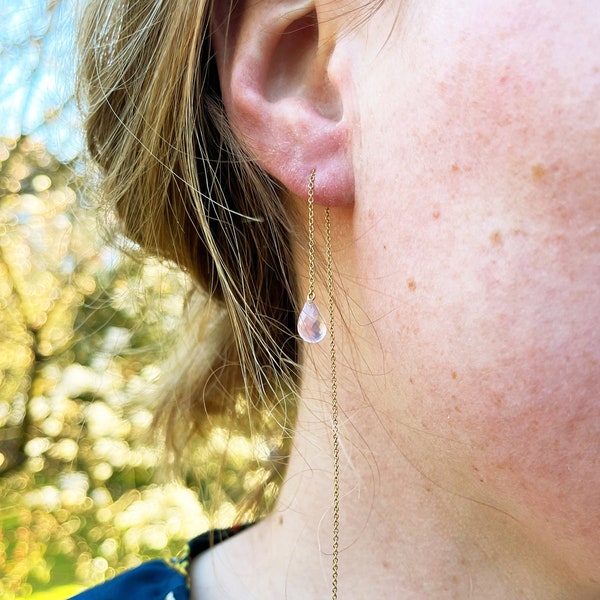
x,y
185,189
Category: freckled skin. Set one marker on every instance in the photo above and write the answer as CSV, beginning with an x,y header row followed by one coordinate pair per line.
x,y
490,203
538,171
496,238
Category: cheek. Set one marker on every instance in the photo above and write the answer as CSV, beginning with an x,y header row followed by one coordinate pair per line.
x,y
482,244
493,340
511,144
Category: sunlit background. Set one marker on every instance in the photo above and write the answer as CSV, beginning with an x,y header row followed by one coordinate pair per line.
x,y
82,334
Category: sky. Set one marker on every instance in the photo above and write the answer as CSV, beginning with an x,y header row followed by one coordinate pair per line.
x,y
37,67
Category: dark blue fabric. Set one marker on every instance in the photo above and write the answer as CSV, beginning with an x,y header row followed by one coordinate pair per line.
x,y
156,580
153,580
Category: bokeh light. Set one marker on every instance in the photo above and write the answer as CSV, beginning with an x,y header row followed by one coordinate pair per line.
x,y
83,331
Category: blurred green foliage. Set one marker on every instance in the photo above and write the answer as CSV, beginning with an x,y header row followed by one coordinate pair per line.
x,y
82,332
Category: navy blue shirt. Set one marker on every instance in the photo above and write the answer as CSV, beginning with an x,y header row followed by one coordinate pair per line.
x,y
158,579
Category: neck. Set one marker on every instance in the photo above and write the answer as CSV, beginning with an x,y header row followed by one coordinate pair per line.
x,y
403,534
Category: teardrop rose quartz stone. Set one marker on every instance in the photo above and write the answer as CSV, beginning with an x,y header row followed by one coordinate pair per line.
x,y
311,325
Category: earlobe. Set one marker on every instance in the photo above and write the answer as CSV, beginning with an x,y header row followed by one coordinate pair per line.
x,y
273,64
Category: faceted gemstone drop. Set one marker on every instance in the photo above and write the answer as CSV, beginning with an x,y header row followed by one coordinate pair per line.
x,y
311,325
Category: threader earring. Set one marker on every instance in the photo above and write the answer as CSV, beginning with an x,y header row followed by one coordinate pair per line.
x,y
312,329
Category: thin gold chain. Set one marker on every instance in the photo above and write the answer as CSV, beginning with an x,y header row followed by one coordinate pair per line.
x,y
311,237
333,362
334,410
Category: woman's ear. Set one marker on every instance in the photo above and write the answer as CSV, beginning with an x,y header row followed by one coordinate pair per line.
x,y
273,58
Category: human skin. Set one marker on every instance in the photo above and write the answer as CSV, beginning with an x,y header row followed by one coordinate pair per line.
x,y
480,251
467,258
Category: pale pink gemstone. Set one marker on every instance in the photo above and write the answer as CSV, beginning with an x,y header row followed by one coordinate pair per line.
x,y
311,325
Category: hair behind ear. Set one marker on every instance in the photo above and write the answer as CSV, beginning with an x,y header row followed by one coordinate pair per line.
x,y
185,190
